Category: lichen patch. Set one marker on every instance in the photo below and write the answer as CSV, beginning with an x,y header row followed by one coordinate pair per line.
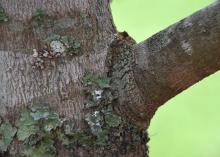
x,y
57,47
98,94
54,47
35,53
186,46
3,16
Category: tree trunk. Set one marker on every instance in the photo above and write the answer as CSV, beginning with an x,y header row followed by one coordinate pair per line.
x,y
39,67
57,81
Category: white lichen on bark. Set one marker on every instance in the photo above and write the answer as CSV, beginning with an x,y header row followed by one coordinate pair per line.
x,y
187,47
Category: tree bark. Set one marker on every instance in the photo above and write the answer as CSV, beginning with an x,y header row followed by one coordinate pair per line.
x,y
89,22
143,76
59,82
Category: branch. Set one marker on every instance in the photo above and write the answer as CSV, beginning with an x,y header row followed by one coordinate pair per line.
x,y
178,57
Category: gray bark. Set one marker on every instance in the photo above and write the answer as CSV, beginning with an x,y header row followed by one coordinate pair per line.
x,y
144,76
89,22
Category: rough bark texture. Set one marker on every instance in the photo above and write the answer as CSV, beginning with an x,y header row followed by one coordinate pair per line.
x,y
90,22
143,76
59,83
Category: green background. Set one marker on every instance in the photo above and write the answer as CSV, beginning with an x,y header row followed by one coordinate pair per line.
x,y
189,124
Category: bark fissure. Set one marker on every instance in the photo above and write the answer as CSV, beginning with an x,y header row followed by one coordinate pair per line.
x,y
120,65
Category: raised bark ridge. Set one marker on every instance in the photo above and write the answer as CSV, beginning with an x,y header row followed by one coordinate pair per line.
x,y
121,63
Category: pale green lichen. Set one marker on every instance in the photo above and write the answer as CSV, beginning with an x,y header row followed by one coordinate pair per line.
x,y
45,148
100,121
95,122
98,91
71,44
64,139
39,130
113,120
95,79
7,132
27,126
102,138
36,128
39,16
3,16
100,124
53,37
